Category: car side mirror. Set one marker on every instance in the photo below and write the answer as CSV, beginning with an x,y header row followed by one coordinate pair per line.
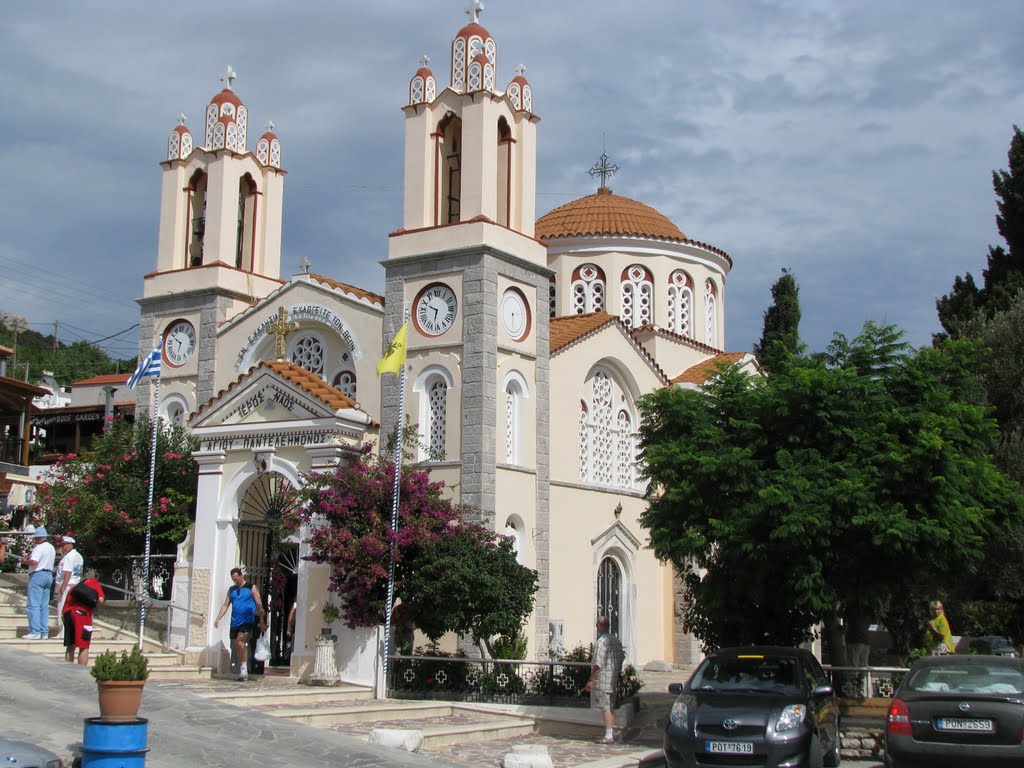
x,y
675,688
822,690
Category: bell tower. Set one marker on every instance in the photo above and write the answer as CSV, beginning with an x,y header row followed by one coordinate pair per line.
x,y
219,243
466,266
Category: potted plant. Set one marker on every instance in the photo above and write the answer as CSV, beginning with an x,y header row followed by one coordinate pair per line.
x,y
329,614
120,681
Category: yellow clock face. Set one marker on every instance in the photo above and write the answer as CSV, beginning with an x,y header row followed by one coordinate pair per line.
x,y
435,309
179,343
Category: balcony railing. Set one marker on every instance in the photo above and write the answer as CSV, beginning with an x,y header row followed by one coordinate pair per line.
x,y
10,450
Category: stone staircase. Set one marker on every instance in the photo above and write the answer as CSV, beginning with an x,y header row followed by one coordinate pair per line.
x,y
163,664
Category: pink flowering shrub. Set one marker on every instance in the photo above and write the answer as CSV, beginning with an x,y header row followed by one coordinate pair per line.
x,y
101,495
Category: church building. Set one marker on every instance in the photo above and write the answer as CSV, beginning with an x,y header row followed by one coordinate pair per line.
x,y
530,342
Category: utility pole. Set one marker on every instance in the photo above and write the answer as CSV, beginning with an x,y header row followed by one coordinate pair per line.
x,y
56,329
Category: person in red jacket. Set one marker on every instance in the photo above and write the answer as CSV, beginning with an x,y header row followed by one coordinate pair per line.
x,y
77,619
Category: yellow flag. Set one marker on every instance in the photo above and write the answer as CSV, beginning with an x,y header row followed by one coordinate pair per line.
x,y
394,355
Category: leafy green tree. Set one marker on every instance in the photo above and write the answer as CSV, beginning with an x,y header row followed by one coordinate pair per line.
x,y
68,362
780,336
101,496
350,515
483,590
850,482
1004,275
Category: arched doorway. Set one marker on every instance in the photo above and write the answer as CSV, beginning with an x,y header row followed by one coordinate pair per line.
x,y
268,553
609,599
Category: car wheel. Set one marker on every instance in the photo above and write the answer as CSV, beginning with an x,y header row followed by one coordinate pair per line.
x,y
814,756
834,756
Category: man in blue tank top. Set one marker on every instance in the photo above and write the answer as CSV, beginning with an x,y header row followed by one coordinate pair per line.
x,y
246,607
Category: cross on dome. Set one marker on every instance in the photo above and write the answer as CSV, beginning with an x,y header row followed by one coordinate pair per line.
x,y
305,264
521,70
270,126
603,169
228,76
424,60
476,7
182,119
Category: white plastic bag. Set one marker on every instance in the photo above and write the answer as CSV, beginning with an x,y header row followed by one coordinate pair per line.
x,y
262,652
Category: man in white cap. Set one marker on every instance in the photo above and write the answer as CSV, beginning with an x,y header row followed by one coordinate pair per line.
x,y
40,579
69,573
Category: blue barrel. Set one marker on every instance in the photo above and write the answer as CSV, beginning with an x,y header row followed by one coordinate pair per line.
x,y
114,745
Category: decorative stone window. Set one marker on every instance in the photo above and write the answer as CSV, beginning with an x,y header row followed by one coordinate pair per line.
x,y
680,304
432,385
308,351
552,297
636,295
710,314
516,393
588,289
607,434
344,379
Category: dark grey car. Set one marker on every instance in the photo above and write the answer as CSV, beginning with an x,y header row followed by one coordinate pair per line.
x,y
953,710
764,706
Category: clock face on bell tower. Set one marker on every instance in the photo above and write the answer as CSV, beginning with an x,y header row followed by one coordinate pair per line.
x,y
179,343
435,309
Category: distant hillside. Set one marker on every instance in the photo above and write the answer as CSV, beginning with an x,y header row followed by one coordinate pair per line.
x,y
70,362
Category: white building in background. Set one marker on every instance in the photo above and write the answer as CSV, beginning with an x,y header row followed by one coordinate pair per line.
x,y
531,340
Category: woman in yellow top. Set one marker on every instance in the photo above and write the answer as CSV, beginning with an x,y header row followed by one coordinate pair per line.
x,y
938,630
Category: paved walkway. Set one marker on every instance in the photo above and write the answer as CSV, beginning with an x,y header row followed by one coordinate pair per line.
x,y
44,701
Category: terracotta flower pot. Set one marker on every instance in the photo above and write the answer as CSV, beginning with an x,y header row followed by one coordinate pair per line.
x,y
120,699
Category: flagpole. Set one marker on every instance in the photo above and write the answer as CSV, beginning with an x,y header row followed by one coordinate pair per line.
x,y
149,511
389,607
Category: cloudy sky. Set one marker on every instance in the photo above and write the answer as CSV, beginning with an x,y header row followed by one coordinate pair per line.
x,y
851,142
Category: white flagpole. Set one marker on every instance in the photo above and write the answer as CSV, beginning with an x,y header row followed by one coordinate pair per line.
x,y
389,607
149,512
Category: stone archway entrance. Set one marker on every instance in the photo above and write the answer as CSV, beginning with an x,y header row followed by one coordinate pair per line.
x,y
269,557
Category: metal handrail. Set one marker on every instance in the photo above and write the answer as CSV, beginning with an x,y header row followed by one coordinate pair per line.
x,y
171,607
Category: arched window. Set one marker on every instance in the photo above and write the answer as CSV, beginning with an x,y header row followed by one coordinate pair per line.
x,y
710,314
174,410
246,225
504,180
344,379
607,434
588,287
308,351
433,385
636,295
449,160
515,395
680,303
515,530
196,192
609,587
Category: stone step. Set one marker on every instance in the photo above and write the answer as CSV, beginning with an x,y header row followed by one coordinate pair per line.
x,y
475,732
303,695
646,758
439,731
178,672
325,717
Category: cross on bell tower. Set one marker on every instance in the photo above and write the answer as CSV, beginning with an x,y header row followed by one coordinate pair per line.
x,y
228,77
476,7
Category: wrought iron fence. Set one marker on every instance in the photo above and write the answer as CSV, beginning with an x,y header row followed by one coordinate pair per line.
x,y
503,681
127,573
866,682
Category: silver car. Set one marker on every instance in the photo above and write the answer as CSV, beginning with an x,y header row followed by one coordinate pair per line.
x,y
21,754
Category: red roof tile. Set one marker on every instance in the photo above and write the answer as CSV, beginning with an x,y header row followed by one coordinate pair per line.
x,y
110,378
605,213
357,292
706,369
565,330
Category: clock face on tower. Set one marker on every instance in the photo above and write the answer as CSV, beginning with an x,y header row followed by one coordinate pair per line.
x,y
179,343
515,314
435,309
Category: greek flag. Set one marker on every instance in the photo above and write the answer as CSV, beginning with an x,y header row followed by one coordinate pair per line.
x,y
150,366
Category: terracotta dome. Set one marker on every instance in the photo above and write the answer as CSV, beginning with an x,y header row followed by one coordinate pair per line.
x,y
605,213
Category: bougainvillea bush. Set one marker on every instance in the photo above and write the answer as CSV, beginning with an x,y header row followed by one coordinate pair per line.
x,y
101,495
349,512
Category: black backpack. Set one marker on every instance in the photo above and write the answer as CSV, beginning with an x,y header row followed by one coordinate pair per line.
x,y
85,595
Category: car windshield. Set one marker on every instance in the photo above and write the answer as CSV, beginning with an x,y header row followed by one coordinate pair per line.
x,y
967,678
768,674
